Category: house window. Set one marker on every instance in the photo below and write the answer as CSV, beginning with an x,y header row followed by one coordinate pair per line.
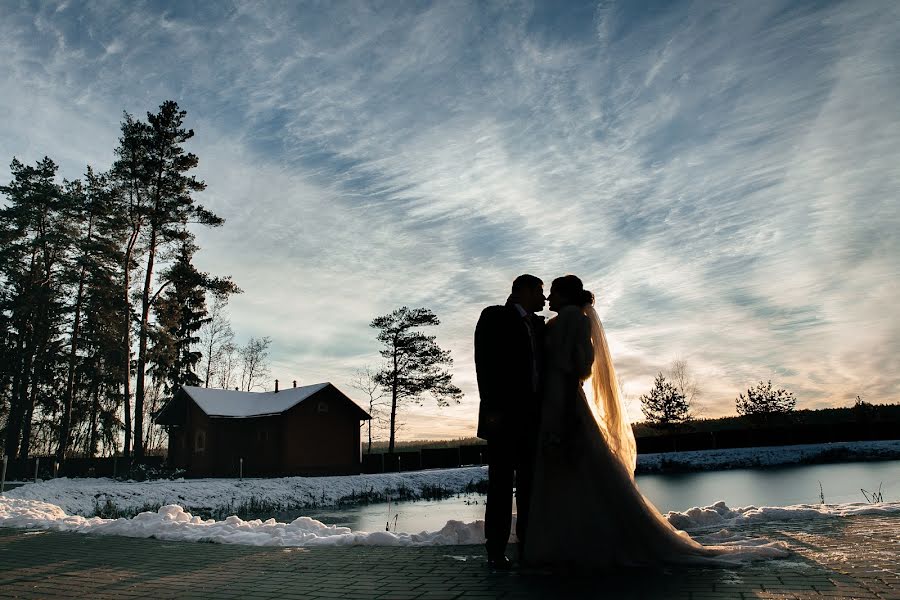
x,y
200,441
262,435
323,407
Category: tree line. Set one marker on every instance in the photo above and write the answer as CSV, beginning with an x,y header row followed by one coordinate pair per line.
x,y
103,313
102,309
670,401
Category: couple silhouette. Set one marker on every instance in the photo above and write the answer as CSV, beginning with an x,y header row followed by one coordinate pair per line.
x,y
570,459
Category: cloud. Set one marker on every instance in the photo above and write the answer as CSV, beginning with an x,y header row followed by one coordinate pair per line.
x,y
722,176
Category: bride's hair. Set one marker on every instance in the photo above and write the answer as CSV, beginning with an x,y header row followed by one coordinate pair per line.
x,y
572,288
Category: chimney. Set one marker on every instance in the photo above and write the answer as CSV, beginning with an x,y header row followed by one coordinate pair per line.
x,y
276,386
295,383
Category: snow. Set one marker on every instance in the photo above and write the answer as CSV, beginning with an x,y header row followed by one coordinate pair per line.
x,y
719,515
208,496
66,504
765,456
233,403
81,496
171,522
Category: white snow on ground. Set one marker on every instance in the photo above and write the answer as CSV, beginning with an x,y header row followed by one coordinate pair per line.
x,y
765,456
719,515
80,496
173,523
64,504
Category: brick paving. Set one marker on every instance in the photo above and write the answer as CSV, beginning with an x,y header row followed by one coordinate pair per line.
x,y
856,557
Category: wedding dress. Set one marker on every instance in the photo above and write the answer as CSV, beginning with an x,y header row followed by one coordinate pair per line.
x,y
586,509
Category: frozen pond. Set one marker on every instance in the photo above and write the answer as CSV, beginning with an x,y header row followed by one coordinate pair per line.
x,y
782,486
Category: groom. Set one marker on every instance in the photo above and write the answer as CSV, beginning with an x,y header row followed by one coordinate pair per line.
x,y
508,343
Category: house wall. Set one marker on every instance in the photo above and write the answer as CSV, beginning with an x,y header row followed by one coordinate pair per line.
x,y
321,442
256,440
302,441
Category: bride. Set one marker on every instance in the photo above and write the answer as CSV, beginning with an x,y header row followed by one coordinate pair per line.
x,y
586,509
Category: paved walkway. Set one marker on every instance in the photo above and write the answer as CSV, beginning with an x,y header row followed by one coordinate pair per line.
x,y
856,557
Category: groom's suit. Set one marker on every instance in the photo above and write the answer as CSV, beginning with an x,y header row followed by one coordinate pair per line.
x,y
508,362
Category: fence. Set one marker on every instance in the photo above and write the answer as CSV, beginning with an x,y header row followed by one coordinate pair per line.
x,y
426,458
769,436
46,467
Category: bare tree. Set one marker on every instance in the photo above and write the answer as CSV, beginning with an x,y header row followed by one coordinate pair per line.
x,y
364,381
215,335
684,381
254,362
228,358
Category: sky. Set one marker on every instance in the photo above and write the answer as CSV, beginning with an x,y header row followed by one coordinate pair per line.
x,y
723,175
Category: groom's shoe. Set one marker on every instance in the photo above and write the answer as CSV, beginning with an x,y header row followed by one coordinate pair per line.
x,y
499,563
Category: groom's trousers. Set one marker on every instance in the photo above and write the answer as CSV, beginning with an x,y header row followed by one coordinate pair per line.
x,y
510,465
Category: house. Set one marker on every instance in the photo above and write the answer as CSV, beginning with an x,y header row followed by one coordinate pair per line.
x,y
307,430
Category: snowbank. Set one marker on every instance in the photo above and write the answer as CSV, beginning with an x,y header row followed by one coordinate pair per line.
x,y
225,496
217,496
171,522
719,515
767,456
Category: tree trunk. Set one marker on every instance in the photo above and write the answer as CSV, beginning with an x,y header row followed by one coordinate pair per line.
x,y
17,406
25,448
126,450
143,334
393,402
95,408
73,351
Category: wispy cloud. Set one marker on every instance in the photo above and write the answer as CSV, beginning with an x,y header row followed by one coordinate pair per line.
x,y
723,176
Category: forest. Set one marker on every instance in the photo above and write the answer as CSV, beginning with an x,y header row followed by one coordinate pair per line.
x,y
102,310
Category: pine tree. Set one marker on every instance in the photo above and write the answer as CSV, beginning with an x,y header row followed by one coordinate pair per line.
x,y
762,401
665,405
96,216
415,363
154,167
132,178
181,312
35,234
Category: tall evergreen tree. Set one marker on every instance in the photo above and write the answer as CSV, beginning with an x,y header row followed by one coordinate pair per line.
x,y
96,215
156,170
180,314
35,234
132,178
415,363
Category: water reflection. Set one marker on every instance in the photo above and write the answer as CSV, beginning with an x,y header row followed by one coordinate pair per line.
x,y
782,486
407,516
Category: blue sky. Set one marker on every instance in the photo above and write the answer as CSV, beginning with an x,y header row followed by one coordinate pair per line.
x,y
723,175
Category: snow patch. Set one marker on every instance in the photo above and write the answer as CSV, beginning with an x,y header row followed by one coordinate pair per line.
x,y
210,496
172,522
719,515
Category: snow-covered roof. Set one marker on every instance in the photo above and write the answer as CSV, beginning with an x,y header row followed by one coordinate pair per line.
x,y
232,403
